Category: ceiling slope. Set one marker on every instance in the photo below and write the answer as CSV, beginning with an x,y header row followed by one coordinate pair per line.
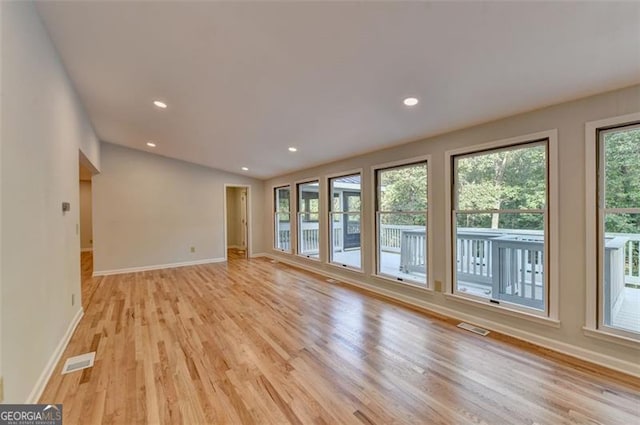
x,y
246,80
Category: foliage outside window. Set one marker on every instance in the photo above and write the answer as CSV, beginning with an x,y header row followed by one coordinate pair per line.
x,y
282,218
401,211
500,210
345,221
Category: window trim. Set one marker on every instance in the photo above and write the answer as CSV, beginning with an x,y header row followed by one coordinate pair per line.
x,y
297,215
328,203
592,327
274,217
551,313
429,284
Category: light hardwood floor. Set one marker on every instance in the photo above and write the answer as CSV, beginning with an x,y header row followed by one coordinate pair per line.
x,y
89,283
254,342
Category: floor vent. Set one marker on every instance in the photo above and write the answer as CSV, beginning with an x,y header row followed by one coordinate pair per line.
x,y
474,329
80,362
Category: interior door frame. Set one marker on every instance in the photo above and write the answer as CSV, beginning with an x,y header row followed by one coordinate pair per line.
x,y
248,251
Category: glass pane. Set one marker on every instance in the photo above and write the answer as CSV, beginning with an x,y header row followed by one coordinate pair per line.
x,y
621,272
309,234
503,262
282,201
345,193
345,239
402,246
513,178
308,197
283,232
336,204
352,201
403,189
622,168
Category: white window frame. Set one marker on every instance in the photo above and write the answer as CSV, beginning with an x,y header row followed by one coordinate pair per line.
x,y
299,215
329,203
274,219
429,240
551,315
594,325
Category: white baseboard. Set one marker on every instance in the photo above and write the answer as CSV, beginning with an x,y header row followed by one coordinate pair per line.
x,y
551,344
86,250
157,267
260,254
42,381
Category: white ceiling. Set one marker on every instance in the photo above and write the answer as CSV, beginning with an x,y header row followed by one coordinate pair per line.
x,y
246,80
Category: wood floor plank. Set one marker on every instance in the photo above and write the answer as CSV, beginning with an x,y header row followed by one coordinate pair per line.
x,y
89,283
253,342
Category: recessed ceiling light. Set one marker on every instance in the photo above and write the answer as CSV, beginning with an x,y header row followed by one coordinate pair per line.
x,y
151,144
292,149
245,169
410,101
160,104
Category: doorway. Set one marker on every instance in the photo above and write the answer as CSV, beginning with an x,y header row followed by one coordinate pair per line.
x,y
237,221
88,283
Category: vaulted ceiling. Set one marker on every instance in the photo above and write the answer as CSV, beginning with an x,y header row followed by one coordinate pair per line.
x,y
245,80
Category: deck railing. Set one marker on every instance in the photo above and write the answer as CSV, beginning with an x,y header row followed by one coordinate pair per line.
x,y
283,237
474,251
631,256
391,236
518,269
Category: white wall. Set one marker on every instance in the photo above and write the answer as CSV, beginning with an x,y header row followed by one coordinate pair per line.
x,y
43,127
149,210
569,119
86,225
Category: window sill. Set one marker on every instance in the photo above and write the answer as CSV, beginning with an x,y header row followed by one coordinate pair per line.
x,y
404,283
309,257
611,337
547,321
345,267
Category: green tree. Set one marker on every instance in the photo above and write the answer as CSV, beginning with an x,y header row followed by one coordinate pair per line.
x,y
622,185
622,179
505,179
515,179
403,189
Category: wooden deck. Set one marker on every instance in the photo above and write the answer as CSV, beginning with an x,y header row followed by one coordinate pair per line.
x,y
254,342
627,315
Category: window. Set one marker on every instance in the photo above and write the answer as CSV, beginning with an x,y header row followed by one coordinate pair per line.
x,y
308,217
618,192
282,217
401,222
344,222
499,225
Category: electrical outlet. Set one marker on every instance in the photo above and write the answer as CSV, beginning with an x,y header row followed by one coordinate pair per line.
x,y
438,286
193,249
